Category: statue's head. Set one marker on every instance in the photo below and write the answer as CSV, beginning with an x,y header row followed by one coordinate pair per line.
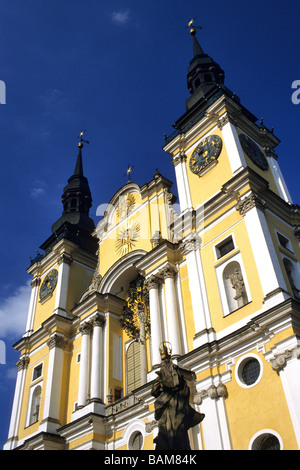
x,y
165,350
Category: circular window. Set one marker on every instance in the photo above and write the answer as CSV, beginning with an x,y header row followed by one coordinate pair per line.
x,y
266,441
136,441
249,371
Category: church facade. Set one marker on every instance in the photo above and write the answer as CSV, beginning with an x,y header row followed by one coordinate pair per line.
x,y
218,279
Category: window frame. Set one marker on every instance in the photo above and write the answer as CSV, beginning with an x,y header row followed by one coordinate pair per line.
x,y
219,270
239,368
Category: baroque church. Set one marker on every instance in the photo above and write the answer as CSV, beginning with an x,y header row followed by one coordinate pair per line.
x,y
218,279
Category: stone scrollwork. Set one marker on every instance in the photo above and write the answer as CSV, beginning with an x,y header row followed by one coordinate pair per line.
x,y
246,204
23,363
280,360
189,244
57,341
152,282
98,320
180,158
213,392
151,425
94,286
167,271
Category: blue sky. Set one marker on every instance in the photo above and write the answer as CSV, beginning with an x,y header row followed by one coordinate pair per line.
x,y
117,69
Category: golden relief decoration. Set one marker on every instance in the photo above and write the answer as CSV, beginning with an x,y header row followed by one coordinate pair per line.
x,y
126,238
135,318
125,206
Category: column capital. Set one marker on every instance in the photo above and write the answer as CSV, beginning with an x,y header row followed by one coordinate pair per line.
x,y
180,158
22,363
35,282
85,328
190,243
168,272
98,320
225,119
152,282
57,341
246,204
65,258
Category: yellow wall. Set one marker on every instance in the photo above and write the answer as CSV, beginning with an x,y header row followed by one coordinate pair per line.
x,y
205,186
263,406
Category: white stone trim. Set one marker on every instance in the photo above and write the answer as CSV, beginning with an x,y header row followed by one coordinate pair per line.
x,y
239,365
233,147
265,431
219,269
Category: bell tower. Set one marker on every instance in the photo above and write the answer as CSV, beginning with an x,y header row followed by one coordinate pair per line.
x,y
203,73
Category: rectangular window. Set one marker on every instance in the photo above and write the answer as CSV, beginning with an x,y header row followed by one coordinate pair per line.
x,y
37,372
285,242
224,247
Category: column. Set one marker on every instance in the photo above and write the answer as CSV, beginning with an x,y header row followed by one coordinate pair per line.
x,y
287,365
152,283
190,248
97,358
32,305
12,441
64,262
271,278
84,364
216,433
143,352
277,174
172,314
184,193
50,422
232,144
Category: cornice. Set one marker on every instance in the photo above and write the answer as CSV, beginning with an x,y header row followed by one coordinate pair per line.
x,y
41,335
165,251
66,249
222,110
99,302
260,328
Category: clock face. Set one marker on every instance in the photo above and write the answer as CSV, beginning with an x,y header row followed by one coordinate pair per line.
x,y
253,152
205,153
48,284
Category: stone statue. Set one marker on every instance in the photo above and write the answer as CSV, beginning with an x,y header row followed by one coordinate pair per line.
x,y
173,412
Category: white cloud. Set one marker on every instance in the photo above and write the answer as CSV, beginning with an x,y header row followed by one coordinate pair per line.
x,y
13,312
38,188
120,17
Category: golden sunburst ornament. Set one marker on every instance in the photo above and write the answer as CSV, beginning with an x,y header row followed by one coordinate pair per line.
x,y
125,205
126,238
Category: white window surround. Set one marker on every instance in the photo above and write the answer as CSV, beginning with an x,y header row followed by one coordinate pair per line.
x,y
262,432
288,246
41,364
215,247
29,404
239,366
236,256
137,425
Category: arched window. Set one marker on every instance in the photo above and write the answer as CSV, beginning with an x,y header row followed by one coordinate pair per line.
x,y
234,285
35,405
133,366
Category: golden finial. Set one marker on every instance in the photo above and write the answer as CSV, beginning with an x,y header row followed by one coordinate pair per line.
x,y
193,28
128,171
80,144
